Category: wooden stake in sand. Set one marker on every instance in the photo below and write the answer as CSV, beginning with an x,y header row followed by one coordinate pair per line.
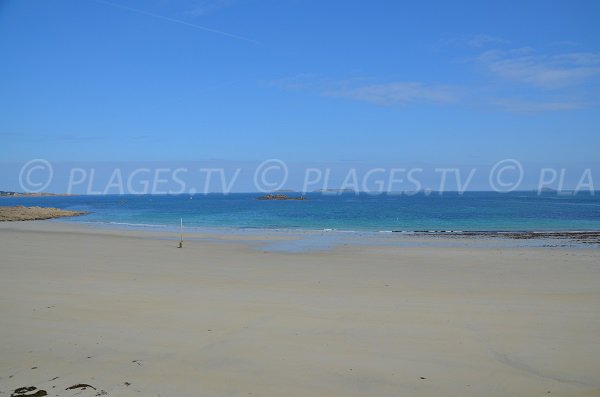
x,y
180,233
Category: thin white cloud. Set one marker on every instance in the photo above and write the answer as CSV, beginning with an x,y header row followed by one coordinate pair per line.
x,y
177,21
477,41
414,93
544,71
580,58
565,43
541,83
482,40
360,89
300,82
208,6
396,93
520,106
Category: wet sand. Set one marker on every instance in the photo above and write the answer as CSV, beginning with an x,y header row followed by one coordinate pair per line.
x,y
111,312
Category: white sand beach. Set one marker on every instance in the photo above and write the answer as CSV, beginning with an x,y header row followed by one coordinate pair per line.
x,y
129,314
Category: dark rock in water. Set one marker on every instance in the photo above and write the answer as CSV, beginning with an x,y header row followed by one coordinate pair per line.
x,y
29,391
280,197
80,386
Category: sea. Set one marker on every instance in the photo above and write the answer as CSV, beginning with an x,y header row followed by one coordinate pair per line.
x,y
448,212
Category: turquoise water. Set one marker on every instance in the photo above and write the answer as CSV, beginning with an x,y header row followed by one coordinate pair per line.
x,y
472,211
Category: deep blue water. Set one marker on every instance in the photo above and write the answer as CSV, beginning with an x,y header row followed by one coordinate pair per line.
x,y
473,211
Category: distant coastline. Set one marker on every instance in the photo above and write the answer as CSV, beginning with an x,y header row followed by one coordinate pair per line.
x,y
41,194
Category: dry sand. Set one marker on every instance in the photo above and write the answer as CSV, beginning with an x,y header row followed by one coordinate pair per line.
x,y
131,315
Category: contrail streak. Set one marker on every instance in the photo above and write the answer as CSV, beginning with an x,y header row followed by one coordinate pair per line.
x,y
204,28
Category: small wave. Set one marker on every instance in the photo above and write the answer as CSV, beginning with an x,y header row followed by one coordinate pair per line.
x,y
136,224
438,231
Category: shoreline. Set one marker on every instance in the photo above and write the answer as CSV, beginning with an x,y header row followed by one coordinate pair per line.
x,y
304,240
420,232
591,237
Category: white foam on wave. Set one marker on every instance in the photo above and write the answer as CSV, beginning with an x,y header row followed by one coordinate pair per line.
x,y
136,224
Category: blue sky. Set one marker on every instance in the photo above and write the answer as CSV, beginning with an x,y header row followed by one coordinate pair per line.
x,y
300,80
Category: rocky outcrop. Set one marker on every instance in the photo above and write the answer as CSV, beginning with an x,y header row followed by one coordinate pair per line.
x,y
279,197
20,213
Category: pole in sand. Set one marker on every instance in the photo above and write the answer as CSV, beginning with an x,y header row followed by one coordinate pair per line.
x,y
180,233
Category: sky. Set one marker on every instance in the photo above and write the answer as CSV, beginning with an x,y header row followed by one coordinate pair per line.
x,y
300,80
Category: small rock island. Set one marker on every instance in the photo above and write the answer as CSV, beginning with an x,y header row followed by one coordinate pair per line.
x,y
279,197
